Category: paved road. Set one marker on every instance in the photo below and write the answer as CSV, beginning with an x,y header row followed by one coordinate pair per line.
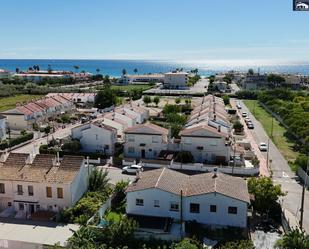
x,y
282,173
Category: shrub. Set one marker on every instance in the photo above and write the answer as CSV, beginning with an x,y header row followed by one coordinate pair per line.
x,y
238,127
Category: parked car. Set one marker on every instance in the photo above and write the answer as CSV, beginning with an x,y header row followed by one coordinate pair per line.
x,y
250,125
238,106
247,119
132,169
263,147
244,114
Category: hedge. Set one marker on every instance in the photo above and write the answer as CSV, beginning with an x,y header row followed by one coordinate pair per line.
x,y
15,141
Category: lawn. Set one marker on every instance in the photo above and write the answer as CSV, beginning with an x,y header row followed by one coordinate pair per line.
x,y
10,102
283,143
132,87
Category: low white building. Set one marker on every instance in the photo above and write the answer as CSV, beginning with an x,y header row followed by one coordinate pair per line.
x,y
210,198
207,144
2,127
141,78
145,141
43,184
96,137
5,74
175,80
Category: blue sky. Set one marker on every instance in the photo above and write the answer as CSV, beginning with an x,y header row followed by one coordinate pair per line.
x,y
189,30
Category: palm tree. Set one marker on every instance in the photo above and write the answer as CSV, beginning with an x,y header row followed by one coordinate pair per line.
x,y
124,72
17,70
135,70
82,238
98,180
295,239
98,70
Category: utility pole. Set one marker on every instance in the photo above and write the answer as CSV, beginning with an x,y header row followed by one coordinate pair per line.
x,y
267,155
272,127
303,198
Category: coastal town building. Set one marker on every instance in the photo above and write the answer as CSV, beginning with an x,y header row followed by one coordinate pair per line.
x,y
76,98
255,81
5,74
29,185
141,78
23,116
175,80
145,141
96,137
213,199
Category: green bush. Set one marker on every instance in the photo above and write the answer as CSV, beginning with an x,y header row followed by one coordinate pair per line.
x,y
15,141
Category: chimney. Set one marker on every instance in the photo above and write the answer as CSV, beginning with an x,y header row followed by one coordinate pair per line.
x,y
219,128
215,116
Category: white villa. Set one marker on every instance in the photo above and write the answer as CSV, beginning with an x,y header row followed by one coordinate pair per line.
x,y
96,137
44,183
212,199
145,141
141,78
175,80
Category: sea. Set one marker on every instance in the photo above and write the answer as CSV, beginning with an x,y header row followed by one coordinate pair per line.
x,y
115,67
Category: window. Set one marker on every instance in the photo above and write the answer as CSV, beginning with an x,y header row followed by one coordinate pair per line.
x,y
139,202
60,193
213,208
131,150
194,208
96,137
130,138
155,139
2,188
213,142
49,192
9,204
156,203
30,190
174,206
232,210
19,189
21,206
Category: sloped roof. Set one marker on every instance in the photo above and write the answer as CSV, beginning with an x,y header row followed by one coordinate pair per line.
x,y
147,128
175,182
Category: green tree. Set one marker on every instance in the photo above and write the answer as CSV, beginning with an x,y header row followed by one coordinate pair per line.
x,y
147,100
98,70
82,238
265,194
105,97
156,100
238,127
98,180
124,71
72,146
135,70
187,244
294,239
226,99
250,71
177,101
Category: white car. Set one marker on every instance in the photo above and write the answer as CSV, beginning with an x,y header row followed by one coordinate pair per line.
x,y
132,169
263,147
302,6
244,114
247,119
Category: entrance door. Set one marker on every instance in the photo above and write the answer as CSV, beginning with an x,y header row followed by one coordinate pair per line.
x,y
31,208
143,153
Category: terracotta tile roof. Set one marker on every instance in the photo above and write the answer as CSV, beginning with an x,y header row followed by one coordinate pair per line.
x,y
147,128
175,182
24,110
42,169
192,130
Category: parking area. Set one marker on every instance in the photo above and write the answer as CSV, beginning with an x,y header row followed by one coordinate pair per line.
x,y
116,175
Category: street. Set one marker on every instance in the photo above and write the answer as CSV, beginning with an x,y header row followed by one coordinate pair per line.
x,y
282,174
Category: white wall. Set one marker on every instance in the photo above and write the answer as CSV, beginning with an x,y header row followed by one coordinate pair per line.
x,y
2,128
221,217
175,80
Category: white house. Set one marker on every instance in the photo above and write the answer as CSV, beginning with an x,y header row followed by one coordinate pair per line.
x,y
42,184
96,137
207,144
145,141
2,127
175,80
5,74
210,198
141,78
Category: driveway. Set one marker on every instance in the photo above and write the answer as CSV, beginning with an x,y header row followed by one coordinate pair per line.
x,y
282,174
115,174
